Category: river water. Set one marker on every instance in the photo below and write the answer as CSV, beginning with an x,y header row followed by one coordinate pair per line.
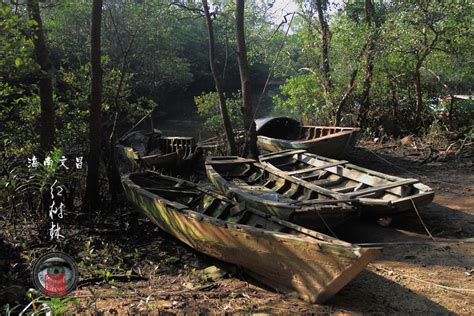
x,y
179,116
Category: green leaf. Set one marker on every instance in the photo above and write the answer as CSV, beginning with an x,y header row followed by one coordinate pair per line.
x,y
18,62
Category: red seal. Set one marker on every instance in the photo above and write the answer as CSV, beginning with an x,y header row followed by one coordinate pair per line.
x,y
55,284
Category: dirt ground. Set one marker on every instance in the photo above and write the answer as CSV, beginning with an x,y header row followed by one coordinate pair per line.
x,y
155,272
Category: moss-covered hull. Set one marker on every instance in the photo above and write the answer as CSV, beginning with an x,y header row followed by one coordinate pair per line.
x,y
316,269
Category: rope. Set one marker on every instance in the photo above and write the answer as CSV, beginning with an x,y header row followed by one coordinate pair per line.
x,y
135,126
403,169
326,224
421,220
416,243
424,281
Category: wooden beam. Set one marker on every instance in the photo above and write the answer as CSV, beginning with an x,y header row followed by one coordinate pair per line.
x,y
281,154
305,170
316,201
229,161
382,187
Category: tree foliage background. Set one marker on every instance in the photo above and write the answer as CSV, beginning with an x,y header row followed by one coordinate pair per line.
x,y
388,66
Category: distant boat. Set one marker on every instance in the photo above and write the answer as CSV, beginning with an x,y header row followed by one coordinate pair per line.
x,y
375,192
276,193
280,133
151,150
282,255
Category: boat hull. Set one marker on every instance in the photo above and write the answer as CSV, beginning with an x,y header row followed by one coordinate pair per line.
x,y
281,133
287,263
173,150
334,146
274,202
390,201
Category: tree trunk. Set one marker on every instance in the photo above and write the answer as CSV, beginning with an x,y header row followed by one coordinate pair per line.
x,y
42,57
395,98
247,109
92,190
324,36
345,97
451,108
219,82
419,96
369,63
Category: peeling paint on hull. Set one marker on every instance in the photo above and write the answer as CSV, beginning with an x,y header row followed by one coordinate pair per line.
x,y
315,268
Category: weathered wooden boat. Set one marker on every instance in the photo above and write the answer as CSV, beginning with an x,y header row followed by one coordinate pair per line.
x,y
280,133
377,193
277,193
151,150
285,256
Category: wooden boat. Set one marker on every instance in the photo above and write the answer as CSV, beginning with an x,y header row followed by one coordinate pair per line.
x,y
151,150
280,133
285,256
377,193
277,193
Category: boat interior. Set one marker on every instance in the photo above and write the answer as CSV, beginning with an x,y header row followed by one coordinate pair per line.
x,y
253,178
341,177
205,202
152,143
286,128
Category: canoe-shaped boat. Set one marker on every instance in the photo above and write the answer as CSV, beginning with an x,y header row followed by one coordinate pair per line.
x,y
277,193
151,150
285,256
280,133
377,193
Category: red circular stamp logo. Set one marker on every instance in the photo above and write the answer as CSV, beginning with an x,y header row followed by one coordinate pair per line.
x,y
55,274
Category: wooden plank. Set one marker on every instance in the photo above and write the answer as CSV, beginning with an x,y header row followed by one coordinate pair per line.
x,y
181,192
229,161
270,168
281,154
310,169
375,202
382,187
345,189
316,201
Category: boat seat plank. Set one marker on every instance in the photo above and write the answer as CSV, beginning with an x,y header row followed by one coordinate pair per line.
x,y
345,189
316,176
305,170
230,161
382,187
282,154
178,192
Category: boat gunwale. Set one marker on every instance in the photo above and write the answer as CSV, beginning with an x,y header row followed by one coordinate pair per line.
x,y
302,141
